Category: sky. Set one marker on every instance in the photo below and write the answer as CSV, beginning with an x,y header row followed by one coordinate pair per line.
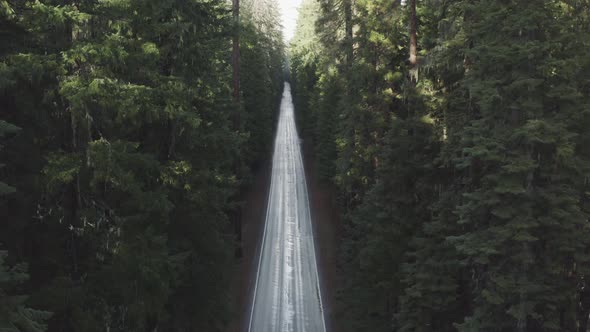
x,y
288,17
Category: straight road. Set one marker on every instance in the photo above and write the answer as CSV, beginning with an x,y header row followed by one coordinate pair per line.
x,y
287,295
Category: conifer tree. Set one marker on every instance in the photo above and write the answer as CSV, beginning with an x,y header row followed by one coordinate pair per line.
x,y
125,159
14,315
460,170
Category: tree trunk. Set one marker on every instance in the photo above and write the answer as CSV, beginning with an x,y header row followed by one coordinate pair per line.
x,y
236,216
413,35
584,307
413,59
348,27
236,54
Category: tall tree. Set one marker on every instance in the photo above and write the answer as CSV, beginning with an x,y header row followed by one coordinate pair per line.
x,y
413,34
459,190
14,315
236,55
128,175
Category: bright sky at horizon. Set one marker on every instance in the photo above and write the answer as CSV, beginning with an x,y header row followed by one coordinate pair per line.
x,y
289,17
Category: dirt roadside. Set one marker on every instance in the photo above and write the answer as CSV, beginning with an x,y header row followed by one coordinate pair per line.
x,y
327,233
255,201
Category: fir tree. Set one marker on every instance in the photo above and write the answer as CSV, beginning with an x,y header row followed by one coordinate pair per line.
x,y
15,316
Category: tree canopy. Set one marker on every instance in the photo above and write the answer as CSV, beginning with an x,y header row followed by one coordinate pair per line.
x,y
120,153
456,134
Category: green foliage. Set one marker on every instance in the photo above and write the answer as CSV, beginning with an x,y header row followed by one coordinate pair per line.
x,y
461,181
6,129
15,316
125,160
261,77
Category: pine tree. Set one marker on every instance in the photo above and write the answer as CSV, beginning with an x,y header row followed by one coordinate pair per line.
x,y
461,170
125,109
523,228
14,315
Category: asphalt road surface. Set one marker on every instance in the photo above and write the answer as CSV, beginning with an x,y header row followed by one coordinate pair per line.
x,y
287,295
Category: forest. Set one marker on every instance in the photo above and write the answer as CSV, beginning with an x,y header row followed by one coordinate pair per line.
x,y
124,153
453,134
456,134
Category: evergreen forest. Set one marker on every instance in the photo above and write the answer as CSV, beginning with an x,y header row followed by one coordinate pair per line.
x,y
452,135
456,135
124,153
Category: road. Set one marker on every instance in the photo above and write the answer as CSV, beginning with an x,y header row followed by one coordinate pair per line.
x,y
287,295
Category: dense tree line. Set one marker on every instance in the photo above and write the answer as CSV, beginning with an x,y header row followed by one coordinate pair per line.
x,y
456,133
119,153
